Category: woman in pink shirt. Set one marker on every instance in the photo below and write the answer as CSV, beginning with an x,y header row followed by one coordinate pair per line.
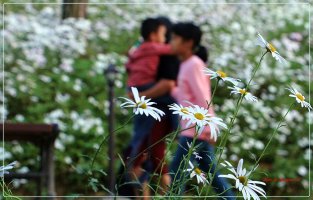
x,y
195,87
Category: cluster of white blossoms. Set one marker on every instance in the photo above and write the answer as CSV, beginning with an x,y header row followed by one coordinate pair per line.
x,y
220,75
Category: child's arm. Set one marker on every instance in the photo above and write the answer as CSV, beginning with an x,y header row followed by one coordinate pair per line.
x,y
160,88
157,49
162,49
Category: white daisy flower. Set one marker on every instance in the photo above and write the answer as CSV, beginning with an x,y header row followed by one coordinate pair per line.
x,y
213,123
248,96
248,187
201,117
4,169
270,48
195,171
142,106
180,110
299,98
221,75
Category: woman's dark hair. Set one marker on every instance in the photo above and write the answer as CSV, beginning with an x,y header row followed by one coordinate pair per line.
x,y
168,24
202,53
189,31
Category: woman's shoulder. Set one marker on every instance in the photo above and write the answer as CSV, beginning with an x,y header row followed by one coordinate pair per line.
x,y
194,62
198,61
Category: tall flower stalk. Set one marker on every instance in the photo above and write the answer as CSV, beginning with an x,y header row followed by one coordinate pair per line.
x,y
273,135
224,139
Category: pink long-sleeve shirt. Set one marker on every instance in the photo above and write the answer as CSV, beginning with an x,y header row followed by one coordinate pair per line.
x,y
193,86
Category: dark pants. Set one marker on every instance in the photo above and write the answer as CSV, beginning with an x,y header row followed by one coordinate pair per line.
x,y
206,151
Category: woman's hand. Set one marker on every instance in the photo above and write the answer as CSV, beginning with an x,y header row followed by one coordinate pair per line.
x,y
162,87
131,96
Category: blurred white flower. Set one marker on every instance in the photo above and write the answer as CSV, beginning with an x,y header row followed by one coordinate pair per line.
x,y
247,95
142,105
67,65
221,75
195,171
4,169
68,160
248,187
302,170
270,48
5,154
299,98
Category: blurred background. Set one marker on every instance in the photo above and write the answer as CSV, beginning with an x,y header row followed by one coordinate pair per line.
x,y
54,57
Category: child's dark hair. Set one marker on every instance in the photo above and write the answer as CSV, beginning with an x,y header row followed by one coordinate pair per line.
x,y
148,26
189,31
168,24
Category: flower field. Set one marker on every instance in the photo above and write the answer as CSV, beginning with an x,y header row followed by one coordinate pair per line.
x,y
53,73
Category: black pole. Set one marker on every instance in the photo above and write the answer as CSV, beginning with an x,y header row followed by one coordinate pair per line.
x,y
110,72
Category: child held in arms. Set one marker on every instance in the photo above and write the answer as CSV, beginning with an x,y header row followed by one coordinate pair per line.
x,y
144,59
142,70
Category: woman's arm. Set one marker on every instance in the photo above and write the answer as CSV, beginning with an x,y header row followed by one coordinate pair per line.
x,y
160,88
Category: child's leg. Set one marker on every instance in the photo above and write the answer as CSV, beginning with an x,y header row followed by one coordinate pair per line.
x,y
157,154
146,191
141,130
134,171
220,185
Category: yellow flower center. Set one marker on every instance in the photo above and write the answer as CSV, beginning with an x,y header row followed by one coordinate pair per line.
x,y
199,116
143,105
271,47
243,91
221,74
198,171
184,110
243,180
300,97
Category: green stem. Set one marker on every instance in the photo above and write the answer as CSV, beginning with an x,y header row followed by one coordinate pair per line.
x,y
152,145
162,161
7,194
186,161
213,94
99,148
272,136
255,70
